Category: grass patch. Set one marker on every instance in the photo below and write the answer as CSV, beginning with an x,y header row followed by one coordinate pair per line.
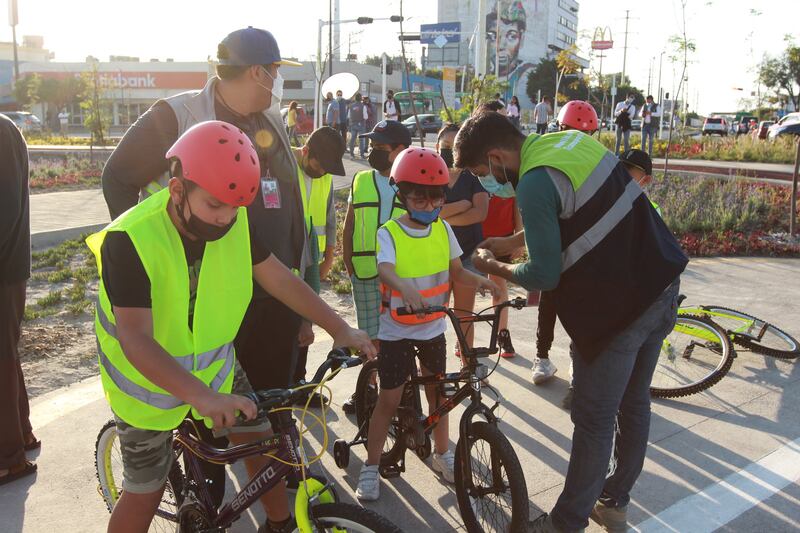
x,y
51,299
32,313
79,307
59,275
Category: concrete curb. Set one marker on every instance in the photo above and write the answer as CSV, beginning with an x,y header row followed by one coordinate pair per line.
x,y
48,239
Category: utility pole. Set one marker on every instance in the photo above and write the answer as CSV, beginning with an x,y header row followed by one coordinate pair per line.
x,y
13,20
625,47
497,42
330,39
650,74
480,42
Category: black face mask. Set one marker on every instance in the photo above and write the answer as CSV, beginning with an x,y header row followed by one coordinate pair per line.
x,y
379,160
447,155
200,228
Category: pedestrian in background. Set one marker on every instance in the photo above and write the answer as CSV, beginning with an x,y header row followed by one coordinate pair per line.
x,y
624,114
371,118
16,434
651,118
341,111
331,111
541,114
355,119
391,109
512,111
291,124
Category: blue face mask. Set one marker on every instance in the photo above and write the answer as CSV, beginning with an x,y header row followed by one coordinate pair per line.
x,y
426,218
494,188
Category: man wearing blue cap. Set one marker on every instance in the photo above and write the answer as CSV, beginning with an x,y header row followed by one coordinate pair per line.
x,y
246,92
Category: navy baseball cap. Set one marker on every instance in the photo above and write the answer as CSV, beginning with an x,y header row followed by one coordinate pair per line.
x,y
327,146
251,46
389,132
639,159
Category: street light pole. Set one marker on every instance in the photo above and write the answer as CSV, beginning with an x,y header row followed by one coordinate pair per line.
x,y
661,121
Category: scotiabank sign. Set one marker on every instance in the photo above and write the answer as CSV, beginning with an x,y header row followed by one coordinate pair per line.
x,y
140,80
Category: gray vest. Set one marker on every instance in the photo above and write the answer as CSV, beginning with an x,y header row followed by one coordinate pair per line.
x,y
192,107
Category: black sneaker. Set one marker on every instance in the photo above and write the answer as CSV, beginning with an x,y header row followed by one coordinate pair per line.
x,y
349,405
287,527
504,340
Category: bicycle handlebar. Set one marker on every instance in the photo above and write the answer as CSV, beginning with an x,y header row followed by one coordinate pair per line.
x,y
268,399
517,303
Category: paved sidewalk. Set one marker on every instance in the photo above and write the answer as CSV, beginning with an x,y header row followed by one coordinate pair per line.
x,y
725,460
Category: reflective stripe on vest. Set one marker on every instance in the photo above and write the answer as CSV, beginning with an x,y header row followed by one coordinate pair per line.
x,y
587,164
223,292
425,262
315,206
366,212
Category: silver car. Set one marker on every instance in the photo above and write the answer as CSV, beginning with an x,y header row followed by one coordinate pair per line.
x,y
26,122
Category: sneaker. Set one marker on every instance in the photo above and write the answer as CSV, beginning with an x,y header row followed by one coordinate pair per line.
x,y
444,464
349,405
287,527
566,403
544,524
504,340
543,369
369,483
614,519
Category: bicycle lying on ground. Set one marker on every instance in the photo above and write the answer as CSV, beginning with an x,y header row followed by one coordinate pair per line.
x,y
700,349
489,482
187,505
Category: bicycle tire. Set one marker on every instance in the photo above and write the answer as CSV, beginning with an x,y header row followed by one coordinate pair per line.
x,y
793,346
500,449
351,518
110,484
718,351
365,402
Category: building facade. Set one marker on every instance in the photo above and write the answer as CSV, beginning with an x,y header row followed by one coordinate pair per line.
x,y
30,50
525,32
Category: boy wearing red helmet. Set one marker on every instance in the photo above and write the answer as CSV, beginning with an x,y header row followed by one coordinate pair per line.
x,y
418,256
165,332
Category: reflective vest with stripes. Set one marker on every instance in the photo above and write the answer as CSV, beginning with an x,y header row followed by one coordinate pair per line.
x,y
425,262
617,255
206,350
315,206
366,212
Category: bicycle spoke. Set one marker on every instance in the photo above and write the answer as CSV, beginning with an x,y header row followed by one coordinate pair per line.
x,y
492,506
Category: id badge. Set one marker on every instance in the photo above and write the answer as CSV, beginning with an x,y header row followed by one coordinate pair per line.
x,y
270,193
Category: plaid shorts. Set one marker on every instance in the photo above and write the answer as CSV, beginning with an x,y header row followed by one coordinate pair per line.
x,y
367,297
147,454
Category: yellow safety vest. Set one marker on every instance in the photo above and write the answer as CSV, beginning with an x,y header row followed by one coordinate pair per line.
x,y
425,262
206,350
315,206
366,212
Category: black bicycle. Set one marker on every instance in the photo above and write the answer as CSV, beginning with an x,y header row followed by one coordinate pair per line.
x,y
187,505
490,485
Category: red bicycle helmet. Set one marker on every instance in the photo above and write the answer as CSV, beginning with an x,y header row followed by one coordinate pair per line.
x,y
421,166
578,115
221,159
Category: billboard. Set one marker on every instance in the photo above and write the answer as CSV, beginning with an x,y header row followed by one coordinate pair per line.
x,y
440,34
138,79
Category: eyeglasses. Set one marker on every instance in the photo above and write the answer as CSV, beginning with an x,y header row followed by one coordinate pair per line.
x,y
421,202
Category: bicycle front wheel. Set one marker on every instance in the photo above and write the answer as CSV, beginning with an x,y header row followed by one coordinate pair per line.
x,y
108,466
490,486
755,334
344,517
694,356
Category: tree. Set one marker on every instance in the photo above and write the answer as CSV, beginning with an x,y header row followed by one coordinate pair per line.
x,y
783,73
481,90
683,45
97,118
26,90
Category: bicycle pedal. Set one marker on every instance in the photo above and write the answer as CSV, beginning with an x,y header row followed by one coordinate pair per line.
x,y
391,471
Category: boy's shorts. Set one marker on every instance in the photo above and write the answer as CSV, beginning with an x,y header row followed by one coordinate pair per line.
x,y
367,298
147,454
396,359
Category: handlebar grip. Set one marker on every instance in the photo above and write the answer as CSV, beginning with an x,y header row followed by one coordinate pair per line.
x,y
405,311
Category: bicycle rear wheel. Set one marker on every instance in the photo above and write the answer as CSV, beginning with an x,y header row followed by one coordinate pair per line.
x,y
694,356
755,334
108,467
490,486
367,387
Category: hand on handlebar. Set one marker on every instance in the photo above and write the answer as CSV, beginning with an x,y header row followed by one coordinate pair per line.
x,y
221,409
414,301
356,340
485,284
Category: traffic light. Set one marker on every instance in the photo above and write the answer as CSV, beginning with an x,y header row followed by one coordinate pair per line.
x,y
364,20
389,68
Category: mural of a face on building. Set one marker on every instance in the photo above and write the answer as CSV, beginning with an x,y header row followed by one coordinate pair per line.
x,y
512,26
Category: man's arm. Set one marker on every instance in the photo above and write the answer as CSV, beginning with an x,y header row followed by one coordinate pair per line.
x,y
454,208
139,158
347,239
13,180
476,214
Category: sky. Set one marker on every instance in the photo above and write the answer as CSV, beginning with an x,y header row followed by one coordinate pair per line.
x,y
730,37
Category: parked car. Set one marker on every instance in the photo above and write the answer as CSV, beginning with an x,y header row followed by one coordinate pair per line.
x,y
760,131
26,122
745,125
430,123
552,126
305,122
788,125
715,125
636,124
